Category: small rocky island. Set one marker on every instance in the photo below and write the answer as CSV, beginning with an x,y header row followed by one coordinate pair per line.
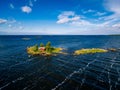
x,y
48,50
90,51
44,50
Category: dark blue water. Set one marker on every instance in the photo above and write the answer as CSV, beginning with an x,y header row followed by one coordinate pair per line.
x,y
99,71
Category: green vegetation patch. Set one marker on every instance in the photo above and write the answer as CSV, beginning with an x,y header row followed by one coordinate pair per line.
x,y
43,49
90,51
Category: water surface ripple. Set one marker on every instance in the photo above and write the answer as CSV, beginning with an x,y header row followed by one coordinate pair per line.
x,y
100,71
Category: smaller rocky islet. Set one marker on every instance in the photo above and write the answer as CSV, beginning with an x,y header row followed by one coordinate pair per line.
x,y
89,51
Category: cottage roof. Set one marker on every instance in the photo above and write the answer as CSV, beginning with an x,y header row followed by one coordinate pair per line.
x,y
42,48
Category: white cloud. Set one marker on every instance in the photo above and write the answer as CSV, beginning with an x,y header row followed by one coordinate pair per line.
x,y
12,6
111,22
100,26
8,22
96,13
88,11
26,9
2,21
100,13
81,23
12,20
67,16
9,25
91,10
116,25
113,5
71,18
21,27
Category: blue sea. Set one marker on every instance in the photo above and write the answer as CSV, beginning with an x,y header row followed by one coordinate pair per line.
x,y
19,71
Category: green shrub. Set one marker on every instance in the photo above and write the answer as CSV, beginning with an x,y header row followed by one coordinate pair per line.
x,y
48,47
89,51
41,45
35,47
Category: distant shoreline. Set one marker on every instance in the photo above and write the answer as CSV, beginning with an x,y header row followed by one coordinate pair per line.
x,y
63,35
115,35
54,35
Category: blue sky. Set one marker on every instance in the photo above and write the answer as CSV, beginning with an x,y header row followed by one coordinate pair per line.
x,y
76,17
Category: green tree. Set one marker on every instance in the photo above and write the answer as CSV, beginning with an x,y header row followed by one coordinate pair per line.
x,y
35,48
50,50
48,47
48,44
41,45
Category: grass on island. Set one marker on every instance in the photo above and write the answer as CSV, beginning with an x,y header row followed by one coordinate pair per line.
x,y
90,51
43,50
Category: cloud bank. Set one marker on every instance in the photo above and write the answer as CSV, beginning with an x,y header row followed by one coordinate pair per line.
x,y
104,22
2,21
67,16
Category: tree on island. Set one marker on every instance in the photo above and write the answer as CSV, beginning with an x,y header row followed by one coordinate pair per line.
x,y
48,47
35,48
41,45
48,44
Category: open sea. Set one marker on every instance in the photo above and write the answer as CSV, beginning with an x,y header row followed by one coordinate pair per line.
x,y
100,71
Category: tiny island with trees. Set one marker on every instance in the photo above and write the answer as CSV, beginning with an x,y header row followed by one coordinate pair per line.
x,y
44,50
48,50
